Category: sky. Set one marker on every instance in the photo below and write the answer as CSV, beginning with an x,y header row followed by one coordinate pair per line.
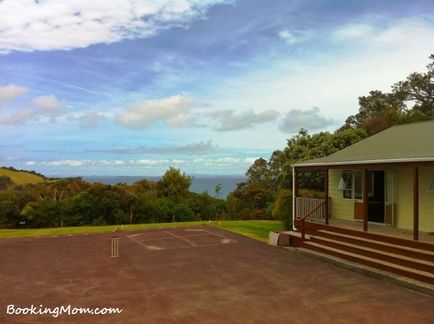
x,y
130,87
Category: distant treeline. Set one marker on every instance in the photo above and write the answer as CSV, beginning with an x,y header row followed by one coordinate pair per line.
x,y
74,202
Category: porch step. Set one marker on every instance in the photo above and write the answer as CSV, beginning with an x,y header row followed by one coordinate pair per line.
x,y
379,245
386,276
312,228
378,251
370,261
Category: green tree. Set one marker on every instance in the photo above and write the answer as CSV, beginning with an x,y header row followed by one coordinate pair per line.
x,y
174,185
282,207
259,172
5,182
217,189
418,88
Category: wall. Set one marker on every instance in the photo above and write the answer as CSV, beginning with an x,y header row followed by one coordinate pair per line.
x,y
403,178
340,208
426,200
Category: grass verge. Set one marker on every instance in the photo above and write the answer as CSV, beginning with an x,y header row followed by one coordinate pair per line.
x,y
257,229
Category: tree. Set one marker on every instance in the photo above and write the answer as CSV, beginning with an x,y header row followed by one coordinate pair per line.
x,y
409,101
5,182
418,88
282,207
174,186
9,209
378,111
217,189
259,172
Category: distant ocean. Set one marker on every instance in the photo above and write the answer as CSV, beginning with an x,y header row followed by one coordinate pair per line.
x,y
199,184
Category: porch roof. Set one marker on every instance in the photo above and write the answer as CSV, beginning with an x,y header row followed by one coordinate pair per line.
x,y
407,143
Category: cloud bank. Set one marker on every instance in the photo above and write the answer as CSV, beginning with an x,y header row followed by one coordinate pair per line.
x,y
309,119
229,120
10,92
173,111
189,149
28,25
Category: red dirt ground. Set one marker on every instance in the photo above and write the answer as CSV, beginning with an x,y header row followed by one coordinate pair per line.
x,y
199,274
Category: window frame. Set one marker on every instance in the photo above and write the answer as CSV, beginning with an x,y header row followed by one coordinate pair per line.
x,y
353,176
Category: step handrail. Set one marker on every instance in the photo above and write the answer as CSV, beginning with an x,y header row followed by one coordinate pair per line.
x,y
303,219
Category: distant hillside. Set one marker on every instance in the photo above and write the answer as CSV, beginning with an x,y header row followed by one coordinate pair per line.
x,y
21,176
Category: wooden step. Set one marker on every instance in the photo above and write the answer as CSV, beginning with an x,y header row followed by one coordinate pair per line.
x,y
313,227
386,276
379,245
423,276
376,253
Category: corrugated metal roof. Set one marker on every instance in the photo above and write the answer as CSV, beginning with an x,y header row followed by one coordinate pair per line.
x,y
402,143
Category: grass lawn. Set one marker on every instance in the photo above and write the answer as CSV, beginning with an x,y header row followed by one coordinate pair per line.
x,y
257,229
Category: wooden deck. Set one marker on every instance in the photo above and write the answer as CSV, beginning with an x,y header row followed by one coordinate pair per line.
x,y
381,229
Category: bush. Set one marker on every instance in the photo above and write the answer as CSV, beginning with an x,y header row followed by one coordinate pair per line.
x,y
183,213
282,208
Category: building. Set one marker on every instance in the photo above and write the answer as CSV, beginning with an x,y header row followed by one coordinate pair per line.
x,y
381,188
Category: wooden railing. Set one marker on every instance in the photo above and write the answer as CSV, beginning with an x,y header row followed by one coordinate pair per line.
x,y
305,206
309,208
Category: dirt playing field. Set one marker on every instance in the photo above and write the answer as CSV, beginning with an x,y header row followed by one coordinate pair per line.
x,y
192,275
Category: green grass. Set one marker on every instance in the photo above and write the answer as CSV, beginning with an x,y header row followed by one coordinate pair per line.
x,y
9,233
257,229
21,177
254,229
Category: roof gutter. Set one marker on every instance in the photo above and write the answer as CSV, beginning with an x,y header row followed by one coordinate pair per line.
x,y
406,160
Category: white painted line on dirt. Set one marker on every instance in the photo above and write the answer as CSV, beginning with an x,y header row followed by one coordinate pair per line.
x,y
221,236
181,238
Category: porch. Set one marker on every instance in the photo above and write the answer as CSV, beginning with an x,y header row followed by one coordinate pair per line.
x,y
313,210
370,197
381,229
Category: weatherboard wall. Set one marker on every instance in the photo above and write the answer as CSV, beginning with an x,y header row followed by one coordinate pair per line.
x,y
399,191
340,208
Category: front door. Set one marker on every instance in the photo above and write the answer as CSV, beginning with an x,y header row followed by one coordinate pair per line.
x,y
376,196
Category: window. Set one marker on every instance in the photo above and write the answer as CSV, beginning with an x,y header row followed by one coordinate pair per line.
x,y
358,180
347,184
351,184
430,187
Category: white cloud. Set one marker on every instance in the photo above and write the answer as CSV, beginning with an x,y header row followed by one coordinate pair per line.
x,y
224,161
112,162
67,163
49,106
28,25
294,37
173,111
325,79
10,92
229,120
89,119
29,163
250,160
353,31
198,148
148,163
309,119
17,118
176,161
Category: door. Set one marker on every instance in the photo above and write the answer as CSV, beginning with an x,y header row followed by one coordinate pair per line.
x,y
376,198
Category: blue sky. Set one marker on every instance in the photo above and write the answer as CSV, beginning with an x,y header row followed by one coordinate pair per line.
x,y
132,87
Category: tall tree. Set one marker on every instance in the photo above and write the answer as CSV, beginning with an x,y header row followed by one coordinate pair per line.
x,y
418,88
174,185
